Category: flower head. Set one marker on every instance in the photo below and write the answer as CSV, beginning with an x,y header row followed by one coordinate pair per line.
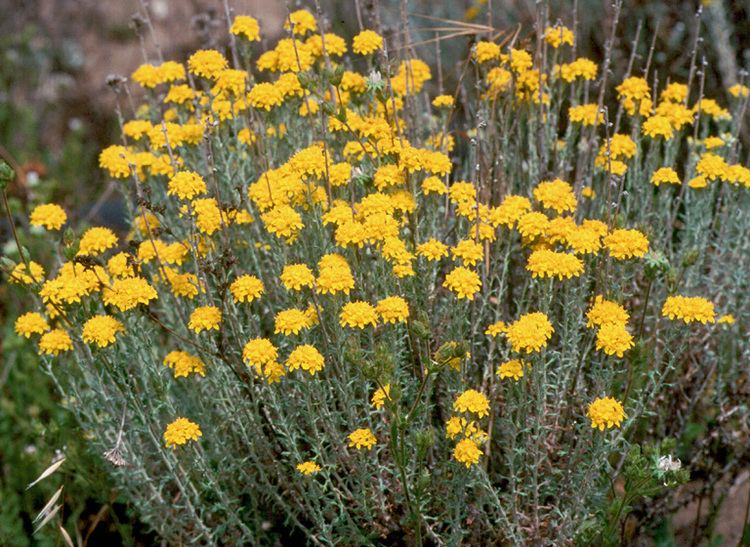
x,y
296,276
95,241
556,195
393,309
49,215
367,42
546,263
306,357
358,315
244,25
472,401
689,309
180,432
464,283
605,311
380,396
605,413
31,323
362,438
55,342
127,293
624,244
246,288
184,364
308,468
205,318
101,330
467,452
530,332
291,321
614,339
511,369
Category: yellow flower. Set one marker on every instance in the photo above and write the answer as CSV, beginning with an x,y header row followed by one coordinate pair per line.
x,y
31,323
335,45
186,185
467,452
624,244
546,263
116,160
265,96
497,328
101,330
558,35
207,63
380,396
127,293
712,167
583,240
180,432
184,364
727,319
49,215
246,288
533,224
291,321
95,241
511,369
486,51
464,283
306,357
334,275
509,211
205,318
388,175
443,101
432,249
580,68
367,42
308,468
614,339
584,114
302,22
689,309
244,25
362,438
23,275
358,315
258,352
472,401
605,413
433,185
393,309
456,426
665,175
675,92
605,311
468,251
296,276
658,126
283,221
634,88
530,332
55,342
739,90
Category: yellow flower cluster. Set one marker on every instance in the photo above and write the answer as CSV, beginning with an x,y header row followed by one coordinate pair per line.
x,y
689,309
605,413
181,431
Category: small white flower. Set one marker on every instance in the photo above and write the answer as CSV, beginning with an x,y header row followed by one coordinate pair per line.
x,y
667,463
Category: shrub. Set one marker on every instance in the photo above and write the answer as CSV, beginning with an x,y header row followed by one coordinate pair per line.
x,y
388,316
